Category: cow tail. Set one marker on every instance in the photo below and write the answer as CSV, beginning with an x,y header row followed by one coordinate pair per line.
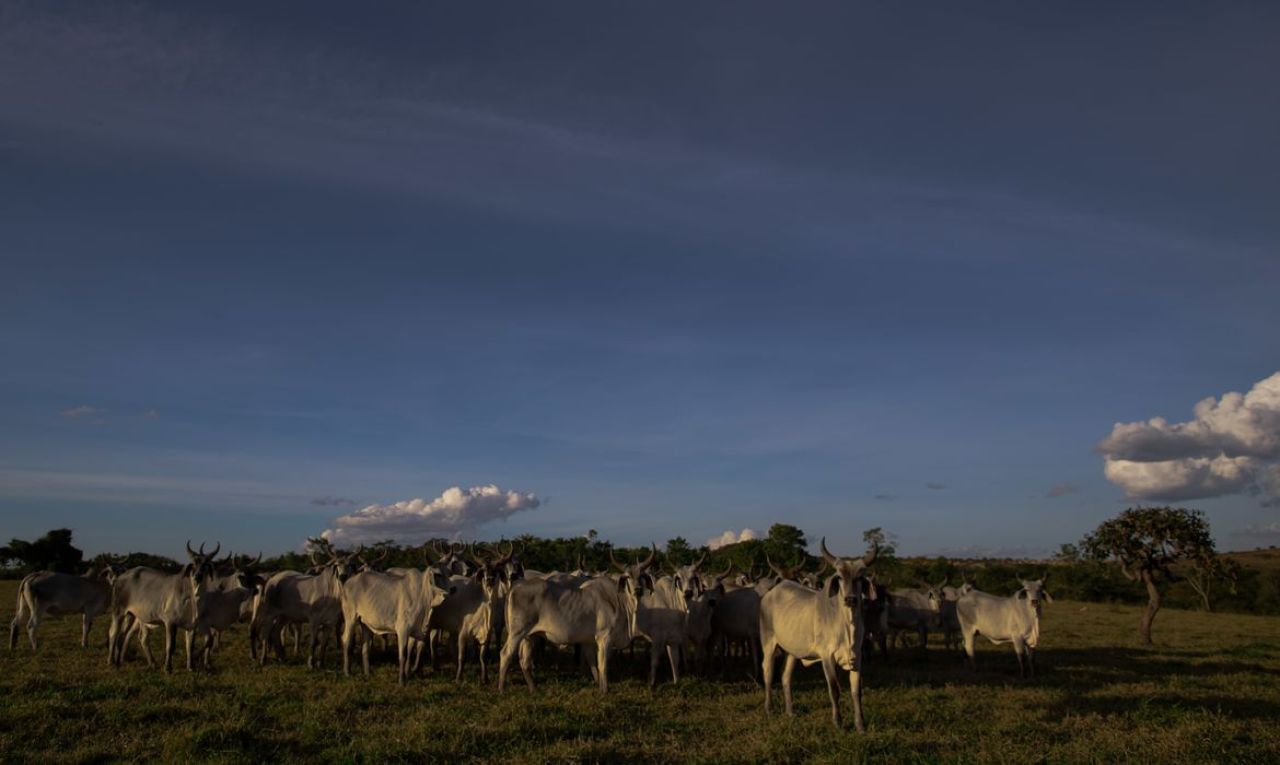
x,y
23,610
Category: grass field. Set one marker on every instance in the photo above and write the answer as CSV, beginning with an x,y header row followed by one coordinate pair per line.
x,y
1209,692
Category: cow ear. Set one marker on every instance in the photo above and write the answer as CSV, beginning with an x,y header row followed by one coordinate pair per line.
x,y
1022,595
832,587
1047,597
622,582
869,589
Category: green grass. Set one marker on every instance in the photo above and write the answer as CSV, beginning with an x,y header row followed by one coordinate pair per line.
x,y
1209,692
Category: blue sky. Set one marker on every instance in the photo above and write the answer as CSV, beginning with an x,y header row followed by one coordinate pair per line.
x,y
673,269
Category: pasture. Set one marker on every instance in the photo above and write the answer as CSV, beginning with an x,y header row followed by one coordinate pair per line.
x,y
1208,692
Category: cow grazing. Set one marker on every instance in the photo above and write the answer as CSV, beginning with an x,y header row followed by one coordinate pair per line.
x,y
1013,620
599,612
141,597
819,627
49,593
397,604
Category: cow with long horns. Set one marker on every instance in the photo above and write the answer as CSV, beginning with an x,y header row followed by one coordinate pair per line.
x,y
819,627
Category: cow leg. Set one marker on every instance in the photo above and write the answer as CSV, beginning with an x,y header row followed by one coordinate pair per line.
x,y
770,647
484,674
170,638
833,689
366,644
462,655
402,653
190,639
673,656
1031,661
655,657
526,661
348,632
969,635
504,660
924,639
787,669
33,621
602,661
1019,649
86,622
855,691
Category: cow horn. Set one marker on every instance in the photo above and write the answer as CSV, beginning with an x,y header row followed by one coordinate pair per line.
x,y
701,560
258,560
615,562
826,554
190,552
727,573
201,551
653,555
314,562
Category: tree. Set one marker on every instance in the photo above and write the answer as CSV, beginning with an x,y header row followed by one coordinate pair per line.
x,y
679,552
51,552
1146,542
1067,553
876,537
1208,570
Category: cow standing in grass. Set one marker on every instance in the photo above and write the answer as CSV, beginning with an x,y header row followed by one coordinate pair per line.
x,y
819,627
49,593
1013,620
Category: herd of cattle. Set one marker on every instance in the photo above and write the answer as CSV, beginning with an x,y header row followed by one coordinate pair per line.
x,y
478,599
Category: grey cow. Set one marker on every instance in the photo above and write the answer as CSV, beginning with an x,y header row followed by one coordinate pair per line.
x,y
599,613
49,593
390,604
819,627
1013,620
143,596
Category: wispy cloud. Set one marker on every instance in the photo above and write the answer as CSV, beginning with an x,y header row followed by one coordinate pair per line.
x,y
886,497
935,486
84,410
330,501
1062,489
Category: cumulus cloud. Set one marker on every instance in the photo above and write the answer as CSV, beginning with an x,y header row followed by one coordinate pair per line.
x,y
1230,446
1062,489
329,501
415,520
730,538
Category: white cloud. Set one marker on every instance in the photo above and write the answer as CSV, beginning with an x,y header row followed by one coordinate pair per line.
x,y
730,538
1231,446
415,520
1062,489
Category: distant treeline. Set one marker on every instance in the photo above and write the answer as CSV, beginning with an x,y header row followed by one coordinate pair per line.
x,y
1256,590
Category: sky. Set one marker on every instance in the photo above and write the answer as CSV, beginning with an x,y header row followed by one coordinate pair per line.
x,y
482,269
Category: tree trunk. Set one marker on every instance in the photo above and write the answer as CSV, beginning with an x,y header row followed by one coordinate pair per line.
x,y
1153,605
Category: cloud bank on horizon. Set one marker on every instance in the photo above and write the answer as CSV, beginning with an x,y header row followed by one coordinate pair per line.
x,y
415,520
1230,446
730,538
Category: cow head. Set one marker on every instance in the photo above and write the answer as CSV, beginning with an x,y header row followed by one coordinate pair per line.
x,y
934,593
201,570
686,578
1033,592
848,582
635,578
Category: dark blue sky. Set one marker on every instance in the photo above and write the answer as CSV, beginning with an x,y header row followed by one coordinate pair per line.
x,y
675,269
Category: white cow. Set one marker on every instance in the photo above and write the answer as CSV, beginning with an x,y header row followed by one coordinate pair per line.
x,y
819,627
1013,620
